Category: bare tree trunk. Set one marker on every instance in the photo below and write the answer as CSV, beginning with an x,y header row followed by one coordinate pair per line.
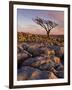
x,y
48,32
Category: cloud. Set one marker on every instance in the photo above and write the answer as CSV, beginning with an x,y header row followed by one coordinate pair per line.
x,y
53,15
59,16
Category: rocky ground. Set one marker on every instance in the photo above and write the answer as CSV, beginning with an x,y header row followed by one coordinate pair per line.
x,y
40,61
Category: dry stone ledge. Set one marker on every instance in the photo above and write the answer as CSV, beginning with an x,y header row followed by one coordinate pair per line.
x,y
27,72
36,61
40,61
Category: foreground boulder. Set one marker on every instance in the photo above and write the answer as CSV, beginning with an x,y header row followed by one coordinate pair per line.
x,y
47,51
47,66
60,74
52,76
19,49
59,67
21,57
30,73
25,46
57,60
34,51
22,76
36,61
39,61
59,51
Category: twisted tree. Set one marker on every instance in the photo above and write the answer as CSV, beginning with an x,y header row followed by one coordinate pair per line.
x,y
48,25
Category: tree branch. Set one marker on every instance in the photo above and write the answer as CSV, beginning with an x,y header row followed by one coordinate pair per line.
x,y
46,24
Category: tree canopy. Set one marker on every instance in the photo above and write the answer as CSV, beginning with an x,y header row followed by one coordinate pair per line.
x,y
48,25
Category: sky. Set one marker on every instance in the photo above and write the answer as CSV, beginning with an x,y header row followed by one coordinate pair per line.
x,y
26,24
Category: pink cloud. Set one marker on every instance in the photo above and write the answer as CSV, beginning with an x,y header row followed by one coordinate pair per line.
x,y
59,16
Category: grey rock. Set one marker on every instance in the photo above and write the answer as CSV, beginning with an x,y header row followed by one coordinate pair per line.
x,y
25,46
36,61
52,76
19,49
24,55
59,51
34,51
59,67
27,72
47,66
47,51
60,74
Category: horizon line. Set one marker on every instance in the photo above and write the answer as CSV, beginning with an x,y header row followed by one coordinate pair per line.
x,y
37,34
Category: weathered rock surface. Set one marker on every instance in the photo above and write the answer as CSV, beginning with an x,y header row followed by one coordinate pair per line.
x,y
37,61
52,76
27,72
